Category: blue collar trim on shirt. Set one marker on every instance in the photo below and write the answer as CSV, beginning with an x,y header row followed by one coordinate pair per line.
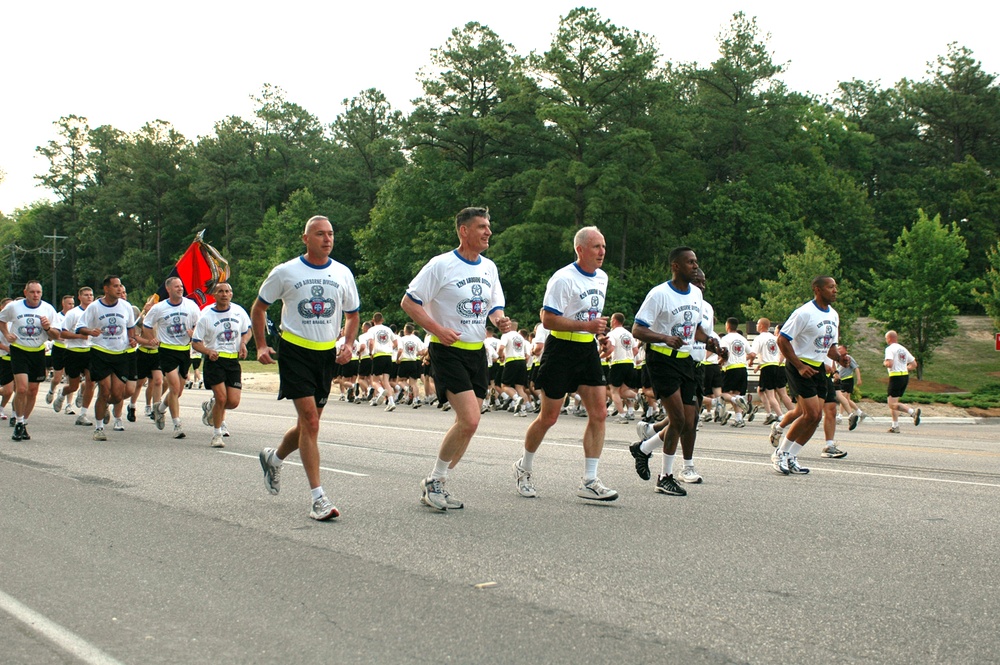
x,y
676,290
582,271
313,265
818,307
479,259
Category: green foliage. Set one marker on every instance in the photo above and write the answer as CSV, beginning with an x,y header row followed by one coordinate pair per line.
x,y
988,294
919,292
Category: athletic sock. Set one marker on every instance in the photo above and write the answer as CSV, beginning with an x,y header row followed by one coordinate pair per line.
x,y
317,492
795,449
668,465
526,460
651,444
590,468
786,445
440,471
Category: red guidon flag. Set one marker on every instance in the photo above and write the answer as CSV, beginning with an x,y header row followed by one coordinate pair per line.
x,y
200,269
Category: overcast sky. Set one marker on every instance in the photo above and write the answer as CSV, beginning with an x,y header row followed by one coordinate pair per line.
x,y
193,63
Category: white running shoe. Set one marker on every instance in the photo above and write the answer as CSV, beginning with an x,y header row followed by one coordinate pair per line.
x,y
218,441
779,461
206,412
178,432
99,435
119,425
433,494
323,509
645,430
776,434
49,396
522,479
79,397
60,399
225,430
83,420
689,475
596,491
794,467
272,472
159,417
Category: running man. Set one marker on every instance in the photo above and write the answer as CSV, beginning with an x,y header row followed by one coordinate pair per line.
x,y
316,293
807,340
221,336
571,362
25,325
110,322
58,348
451,298
168,326
670,320
899,362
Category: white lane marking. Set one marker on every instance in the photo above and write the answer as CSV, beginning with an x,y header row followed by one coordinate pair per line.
x,y
324,468
64,639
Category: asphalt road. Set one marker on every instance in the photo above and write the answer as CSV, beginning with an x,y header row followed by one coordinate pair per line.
x,y
146,549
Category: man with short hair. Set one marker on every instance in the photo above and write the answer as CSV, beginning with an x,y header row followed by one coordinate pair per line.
x,y
451,298
408,356
734,372
25,324
77,366
382,345
110,322
764,351
622,360
571,362
316,293
58,348
168,326
221,336
808,338
670,320
899,362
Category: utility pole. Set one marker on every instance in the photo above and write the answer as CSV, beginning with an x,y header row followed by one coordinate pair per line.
x,y
56,255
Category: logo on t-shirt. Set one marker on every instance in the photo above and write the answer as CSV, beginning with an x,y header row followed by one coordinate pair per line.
x,y
474,306
317,306
824,341
227,334
685,329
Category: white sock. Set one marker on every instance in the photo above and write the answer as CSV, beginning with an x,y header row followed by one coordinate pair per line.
x,y
795,449
317,492
651,444
786,445
176,421
590,468
440,471
526,460
668,465
829,443
217,431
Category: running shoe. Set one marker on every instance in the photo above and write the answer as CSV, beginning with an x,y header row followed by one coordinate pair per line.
x,y
779,461
178,432
99,435
206,412
706,415
641,460
667,485
225,429
83,420
833,452
739,423
417,403
323,509
272,472
726,415
159,417
753,412
452,502
433,494
119,425
130,412
218,441
894,429
522,479
24,432
60,399
16,434
916,418
79,398
49,396
391,406
852,422
689,475
770,418
595,490
720,411
776,434
645,430
794,467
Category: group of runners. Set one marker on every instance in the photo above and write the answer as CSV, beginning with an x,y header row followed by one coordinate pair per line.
x,y
453,298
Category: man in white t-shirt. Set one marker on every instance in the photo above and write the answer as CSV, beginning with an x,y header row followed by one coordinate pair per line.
x,y
807,340
316,293
383,345
764,351
899,362
572,312
452,297
25,324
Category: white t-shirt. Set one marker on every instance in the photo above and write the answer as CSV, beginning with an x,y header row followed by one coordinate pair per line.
x,y
57,323
765,349
513,345
410,347
114,322
71,322
171,323
492,345
671,312
737,345
623,346
900,357
314,299
382,340
222,331
812,331
459,294
363,350
576,294
25,323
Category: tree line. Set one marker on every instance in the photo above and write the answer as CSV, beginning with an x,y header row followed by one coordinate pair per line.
x,y
892,190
